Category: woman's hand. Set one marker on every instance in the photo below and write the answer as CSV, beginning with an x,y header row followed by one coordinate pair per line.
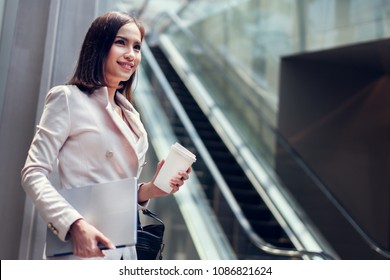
x,y
85,239
150,190
176,182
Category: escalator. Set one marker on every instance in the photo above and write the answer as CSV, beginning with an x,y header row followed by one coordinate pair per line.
x,y
217,101
253,207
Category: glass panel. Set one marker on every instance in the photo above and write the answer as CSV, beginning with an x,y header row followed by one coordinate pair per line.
x,y
235,49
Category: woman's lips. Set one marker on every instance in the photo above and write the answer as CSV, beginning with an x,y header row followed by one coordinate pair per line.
x,y
126,65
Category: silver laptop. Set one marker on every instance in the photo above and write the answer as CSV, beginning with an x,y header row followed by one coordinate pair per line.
x,y
110,207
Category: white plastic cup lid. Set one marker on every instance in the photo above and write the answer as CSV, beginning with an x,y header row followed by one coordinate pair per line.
x,y
184,151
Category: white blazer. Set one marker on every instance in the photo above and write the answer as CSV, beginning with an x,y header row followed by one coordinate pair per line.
x,y
89,142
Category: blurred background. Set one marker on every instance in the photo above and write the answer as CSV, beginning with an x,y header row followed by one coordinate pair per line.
x,y
283,102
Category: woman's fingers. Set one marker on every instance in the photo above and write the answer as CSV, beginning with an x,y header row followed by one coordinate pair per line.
x,y
85,239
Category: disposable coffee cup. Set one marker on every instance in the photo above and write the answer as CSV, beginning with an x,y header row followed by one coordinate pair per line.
x,y
178,159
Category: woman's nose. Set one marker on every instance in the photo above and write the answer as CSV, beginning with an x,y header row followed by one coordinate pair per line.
x,y
129,55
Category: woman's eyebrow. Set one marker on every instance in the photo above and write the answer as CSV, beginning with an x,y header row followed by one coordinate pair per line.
x,y
121,37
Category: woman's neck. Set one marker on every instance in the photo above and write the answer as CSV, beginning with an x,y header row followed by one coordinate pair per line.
x,y
111,95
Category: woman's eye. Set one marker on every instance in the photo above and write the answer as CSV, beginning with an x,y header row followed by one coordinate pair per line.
x,y
137,47
120,42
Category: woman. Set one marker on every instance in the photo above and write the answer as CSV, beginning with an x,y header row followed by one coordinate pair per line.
x,y
94,133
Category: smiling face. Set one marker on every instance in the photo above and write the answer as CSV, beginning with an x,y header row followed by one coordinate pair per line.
x,y
124,55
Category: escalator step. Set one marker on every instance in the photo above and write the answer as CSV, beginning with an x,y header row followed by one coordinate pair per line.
x,y
250,198
254,207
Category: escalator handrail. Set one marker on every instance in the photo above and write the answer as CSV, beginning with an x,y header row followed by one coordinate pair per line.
x,y
202,150
366,237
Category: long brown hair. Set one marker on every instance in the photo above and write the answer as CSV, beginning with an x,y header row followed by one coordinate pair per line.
x,y
89,72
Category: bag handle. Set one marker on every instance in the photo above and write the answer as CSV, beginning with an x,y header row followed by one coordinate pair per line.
x,y
150,214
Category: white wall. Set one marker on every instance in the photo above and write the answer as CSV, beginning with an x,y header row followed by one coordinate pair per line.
x,y
40,42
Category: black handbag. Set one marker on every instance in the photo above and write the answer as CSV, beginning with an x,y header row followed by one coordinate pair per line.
x,y
150,238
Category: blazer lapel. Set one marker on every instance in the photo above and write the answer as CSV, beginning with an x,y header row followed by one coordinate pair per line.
x,y
139,146
134,120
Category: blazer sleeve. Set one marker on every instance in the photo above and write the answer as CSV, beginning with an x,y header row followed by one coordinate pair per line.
x,y
52,132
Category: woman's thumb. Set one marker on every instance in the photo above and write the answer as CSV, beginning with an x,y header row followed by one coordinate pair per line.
x,y
105,241
158,168
159,165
